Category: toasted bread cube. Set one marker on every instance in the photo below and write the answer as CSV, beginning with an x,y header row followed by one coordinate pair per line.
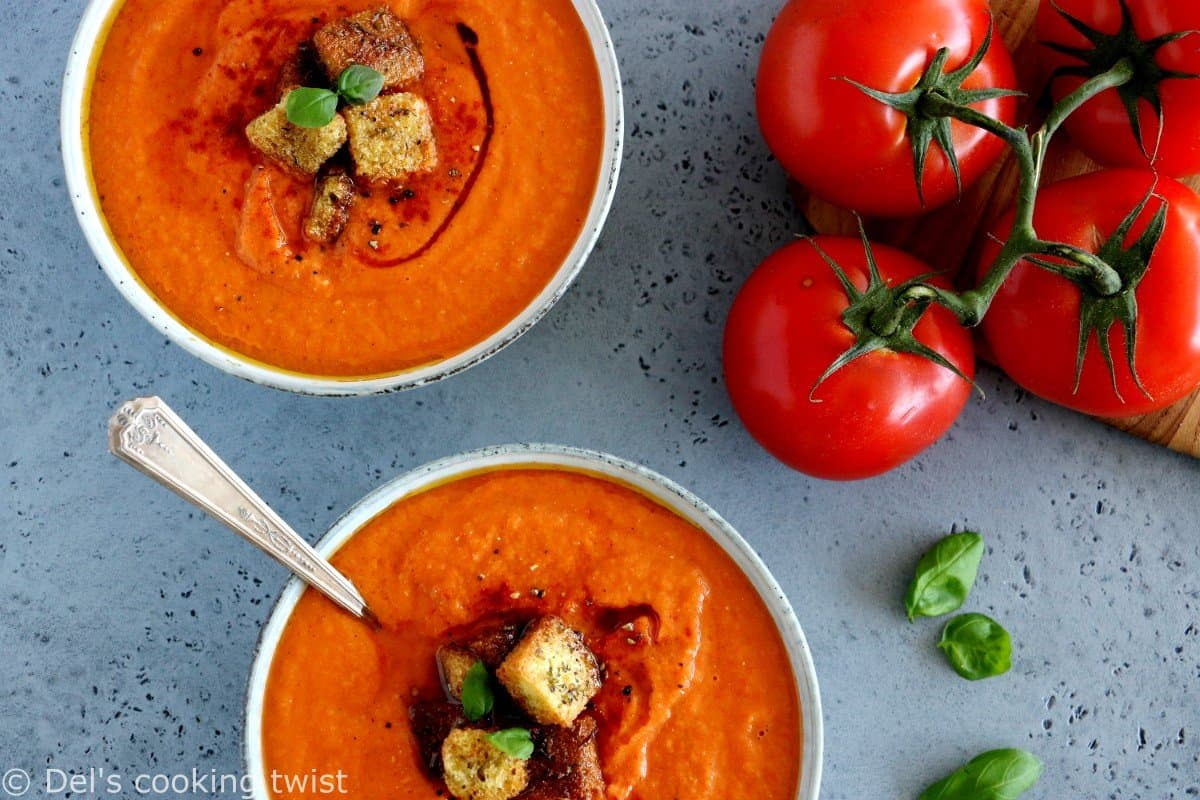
x,y
333,196
291,77
586,781
551,673
377,39
391,137
475,769
302,69
566,764
301,149
489,644
431,723
453,664
493,644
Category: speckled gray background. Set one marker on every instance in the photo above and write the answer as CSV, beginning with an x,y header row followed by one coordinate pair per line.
x,y
127,621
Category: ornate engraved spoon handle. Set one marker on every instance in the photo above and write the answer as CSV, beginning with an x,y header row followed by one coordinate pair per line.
x,y
149,436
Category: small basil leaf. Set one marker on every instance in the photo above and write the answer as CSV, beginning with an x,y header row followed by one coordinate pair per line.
x,y
945,576
977,647
311,108
516,742
477,696
359,85
996,775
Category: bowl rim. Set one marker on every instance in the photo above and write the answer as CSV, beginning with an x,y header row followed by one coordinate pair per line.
x,y
657,487
77,79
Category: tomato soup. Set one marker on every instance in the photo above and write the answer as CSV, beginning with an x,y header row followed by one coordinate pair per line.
x,y
703,706
428,267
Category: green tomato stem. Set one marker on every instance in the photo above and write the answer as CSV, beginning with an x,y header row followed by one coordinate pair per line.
x,y
1121,73
1030,152
1105,280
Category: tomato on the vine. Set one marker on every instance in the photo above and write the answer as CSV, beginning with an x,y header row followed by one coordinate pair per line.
x,y
1033,328
876,412
848,147
1103,127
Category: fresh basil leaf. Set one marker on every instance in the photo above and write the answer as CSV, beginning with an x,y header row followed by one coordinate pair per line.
x,y
477,695
977,647
996,775
516,742
945,576
311,108
359,85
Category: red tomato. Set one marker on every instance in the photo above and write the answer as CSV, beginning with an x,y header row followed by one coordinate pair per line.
x,y
786,329
1032,327
1102,127
853,150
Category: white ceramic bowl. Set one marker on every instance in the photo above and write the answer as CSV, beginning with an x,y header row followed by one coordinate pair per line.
x,y
76,87
650,483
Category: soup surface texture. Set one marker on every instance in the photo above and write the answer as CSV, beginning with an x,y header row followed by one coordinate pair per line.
x,y
700,704
215,231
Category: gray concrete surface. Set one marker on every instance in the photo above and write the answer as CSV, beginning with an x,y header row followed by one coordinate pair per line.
x,y
127,621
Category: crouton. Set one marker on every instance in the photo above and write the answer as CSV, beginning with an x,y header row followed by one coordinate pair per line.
x,y
475,769
302,69
566,764
391,137
584,782
300,149
551,673
561,749
489,643
377,39
493,644
431,723
330,211
453,664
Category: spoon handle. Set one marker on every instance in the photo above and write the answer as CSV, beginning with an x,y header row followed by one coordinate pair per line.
x,y
149,436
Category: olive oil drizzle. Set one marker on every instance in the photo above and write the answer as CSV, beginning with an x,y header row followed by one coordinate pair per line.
x,y
470,40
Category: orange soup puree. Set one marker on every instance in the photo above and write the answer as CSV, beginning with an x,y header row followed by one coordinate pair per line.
x,y
215,232
699,705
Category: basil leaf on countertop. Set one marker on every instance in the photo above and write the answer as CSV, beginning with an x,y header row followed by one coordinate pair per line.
x,y
311,108
516,742
945,576
477,695
996,775
977,647
359,85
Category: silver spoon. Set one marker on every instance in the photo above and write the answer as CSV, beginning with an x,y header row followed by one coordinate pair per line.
x,y
149,436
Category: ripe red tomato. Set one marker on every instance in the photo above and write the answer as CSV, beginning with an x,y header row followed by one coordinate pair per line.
x,y
786,329
1033,327
851,149
1102,127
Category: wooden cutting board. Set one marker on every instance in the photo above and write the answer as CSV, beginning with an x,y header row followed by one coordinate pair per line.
x,y
947,238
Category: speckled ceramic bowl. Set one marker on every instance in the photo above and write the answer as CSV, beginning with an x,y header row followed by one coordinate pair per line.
x,y
76,87
649,483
